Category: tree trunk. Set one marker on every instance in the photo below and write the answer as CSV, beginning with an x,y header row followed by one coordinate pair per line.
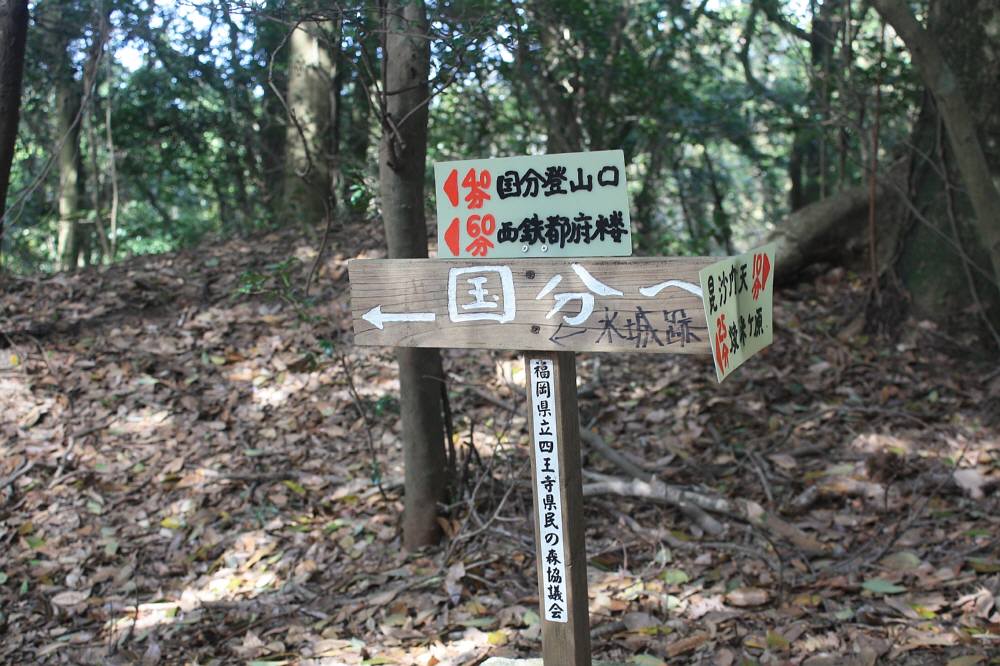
x,y
963,88
937,211
402,154
554,94
830,230
357,116
273,121
70,180
307,169
722,229
242,149
13,33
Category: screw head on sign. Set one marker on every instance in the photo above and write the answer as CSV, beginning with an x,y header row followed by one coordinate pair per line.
x,y
529,275
524,248
544,248
535,328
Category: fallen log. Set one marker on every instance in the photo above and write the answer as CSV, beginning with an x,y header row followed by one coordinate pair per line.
x,y
829,230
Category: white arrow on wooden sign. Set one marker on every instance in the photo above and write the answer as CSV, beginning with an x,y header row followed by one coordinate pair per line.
x,y
377,318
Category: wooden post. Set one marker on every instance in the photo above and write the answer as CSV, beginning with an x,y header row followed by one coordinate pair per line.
x,y
557,490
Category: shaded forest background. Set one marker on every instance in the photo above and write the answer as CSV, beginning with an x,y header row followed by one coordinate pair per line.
x,y
147,126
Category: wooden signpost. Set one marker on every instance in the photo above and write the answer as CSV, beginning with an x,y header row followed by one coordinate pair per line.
x,y
565,300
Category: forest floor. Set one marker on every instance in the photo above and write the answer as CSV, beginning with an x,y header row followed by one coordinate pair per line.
x,y
197,466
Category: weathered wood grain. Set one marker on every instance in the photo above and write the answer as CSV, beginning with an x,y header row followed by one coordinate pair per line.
x,y
669,321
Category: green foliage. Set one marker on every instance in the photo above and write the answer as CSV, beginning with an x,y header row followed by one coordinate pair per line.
x,y
278,279
718,107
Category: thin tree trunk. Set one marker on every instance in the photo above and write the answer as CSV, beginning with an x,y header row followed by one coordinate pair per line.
x,y
70,183
113,173
402,154
685,206
272,117
359,113
723,229
944,85
244,142
13,33
96,187
646,200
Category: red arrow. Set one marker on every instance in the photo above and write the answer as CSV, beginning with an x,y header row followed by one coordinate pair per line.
x,y
451,236
451,188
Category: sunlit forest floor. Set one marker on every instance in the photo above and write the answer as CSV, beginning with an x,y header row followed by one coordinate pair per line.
x,y
189,476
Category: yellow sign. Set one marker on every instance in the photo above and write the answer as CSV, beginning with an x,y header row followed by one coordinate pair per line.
x,y
738,295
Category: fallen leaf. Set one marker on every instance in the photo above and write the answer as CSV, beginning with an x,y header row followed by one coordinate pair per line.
x,y
639,621
784,461
971,481
984,566
684,645
776,641
498,637
674,577
748,596
647,660
882,586
904,560
71,597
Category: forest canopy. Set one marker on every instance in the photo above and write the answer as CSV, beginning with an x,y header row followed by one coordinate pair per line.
x,y
147,126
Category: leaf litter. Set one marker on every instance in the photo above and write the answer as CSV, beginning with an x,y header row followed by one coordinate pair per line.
x,y
188,476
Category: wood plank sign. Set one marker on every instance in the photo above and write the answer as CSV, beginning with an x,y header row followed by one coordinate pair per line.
x,y
561,205
609,305
738,298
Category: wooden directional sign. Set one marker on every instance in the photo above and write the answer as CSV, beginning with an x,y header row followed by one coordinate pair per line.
x,y
561,304
604,305
561,205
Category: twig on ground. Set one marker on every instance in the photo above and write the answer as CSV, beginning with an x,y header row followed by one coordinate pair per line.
x,y
739,509
20,471
376,471
693,512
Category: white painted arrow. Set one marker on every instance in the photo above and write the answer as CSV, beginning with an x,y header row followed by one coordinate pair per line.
x,y
377,318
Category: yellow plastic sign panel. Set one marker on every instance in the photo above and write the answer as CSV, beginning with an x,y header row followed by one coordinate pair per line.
x,y
738,296
544,206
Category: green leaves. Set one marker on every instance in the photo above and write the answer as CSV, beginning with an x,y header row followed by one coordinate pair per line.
x,y
882,586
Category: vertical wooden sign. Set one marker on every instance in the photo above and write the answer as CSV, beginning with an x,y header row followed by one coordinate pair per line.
x,y
557,490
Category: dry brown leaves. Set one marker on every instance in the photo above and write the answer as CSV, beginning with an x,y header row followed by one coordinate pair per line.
x,y
186,480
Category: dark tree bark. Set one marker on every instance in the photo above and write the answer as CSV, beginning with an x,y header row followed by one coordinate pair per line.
x,y
963,86
357,113
13,35
402,156
554,93
268,34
